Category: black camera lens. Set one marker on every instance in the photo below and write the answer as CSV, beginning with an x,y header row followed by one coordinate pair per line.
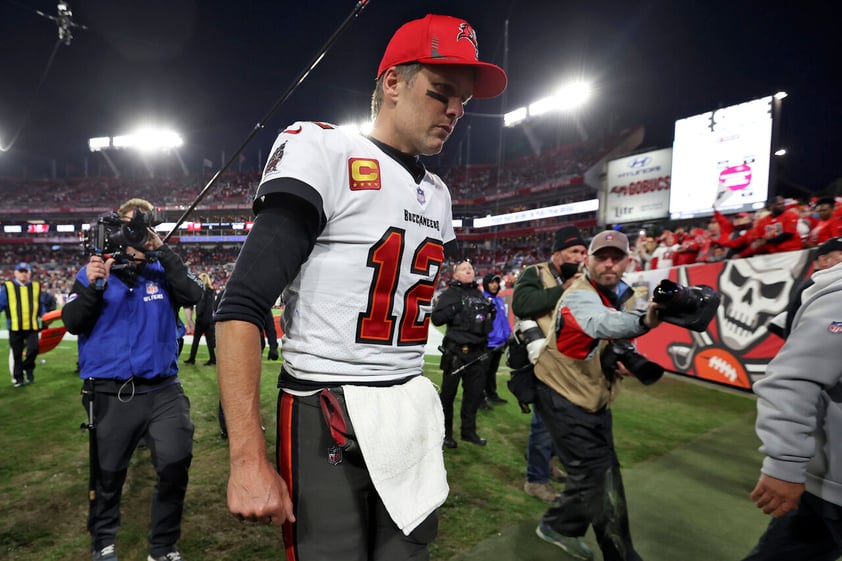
x,y
134,234
666,291
642,368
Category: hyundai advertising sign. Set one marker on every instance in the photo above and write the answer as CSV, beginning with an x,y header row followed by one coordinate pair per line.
x,y
722,158
637,188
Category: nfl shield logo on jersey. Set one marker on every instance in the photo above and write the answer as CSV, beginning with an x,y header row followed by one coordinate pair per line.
x,y
835,327
422,198
334,455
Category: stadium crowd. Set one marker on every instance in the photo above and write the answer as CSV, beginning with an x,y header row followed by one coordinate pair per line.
x,y
551,177
509,249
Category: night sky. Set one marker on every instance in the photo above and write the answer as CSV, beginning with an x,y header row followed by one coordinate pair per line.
x,y
213,69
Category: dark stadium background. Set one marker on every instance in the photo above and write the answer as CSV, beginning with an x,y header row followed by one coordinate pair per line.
x,y
211,69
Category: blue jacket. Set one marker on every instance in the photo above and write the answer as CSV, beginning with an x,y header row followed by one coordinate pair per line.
x,y
130,331
501,330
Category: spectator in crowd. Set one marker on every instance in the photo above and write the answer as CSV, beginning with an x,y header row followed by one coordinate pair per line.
x,y
574,394
469,317
662,257
733,235
497,338
689,247
202,323
775,232
357,268
826,225
136,394
710,250
24,301
535,295
644,248
798,422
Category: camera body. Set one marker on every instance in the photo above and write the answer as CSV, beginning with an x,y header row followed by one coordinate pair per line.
x,y
110,234
529,334
692,307
622,350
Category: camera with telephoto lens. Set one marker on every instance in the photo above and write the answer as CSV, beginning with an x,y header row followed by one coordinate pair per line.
x,y
111,234
687,306
621,350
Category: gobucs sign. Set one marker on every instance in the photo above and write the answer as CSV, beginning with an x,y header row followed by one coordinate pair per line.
x,y
637,188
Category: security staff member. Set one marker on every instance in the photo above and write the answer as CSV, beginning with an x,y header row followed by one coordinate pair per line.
x,y
469,317
24,302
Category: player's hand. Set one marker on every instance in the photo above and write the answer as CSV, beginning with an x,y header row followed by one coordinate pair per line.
x,y
257,493
776,496
98,269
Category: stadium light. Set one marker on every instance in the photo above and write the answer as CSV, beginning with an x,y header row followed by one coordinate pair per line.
x,y
363,127
780,152
781,95
568,97
146,139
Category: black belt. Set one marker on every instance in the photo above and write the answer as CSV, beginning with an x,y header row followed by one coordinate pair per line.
x,y
465,348
141,385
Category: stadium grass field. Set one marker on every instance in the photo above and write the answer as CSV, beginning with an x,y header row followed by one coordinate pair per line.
x,y
688,452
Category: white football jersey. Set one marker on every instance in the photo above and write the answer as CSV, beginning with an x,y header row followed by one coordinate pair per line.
x,y
358,310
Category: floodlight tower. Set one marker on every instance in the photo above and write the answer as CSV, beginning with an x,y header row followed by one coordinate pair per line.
x,y
147,141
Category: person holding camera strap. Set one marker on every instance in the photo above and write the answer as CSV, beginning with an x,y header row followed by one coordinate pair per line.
x,y
574,397
469,316
122,306
535,295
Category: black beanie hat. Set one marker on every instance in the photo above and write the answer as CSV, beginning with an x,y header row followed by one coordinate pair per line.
x,y
567,236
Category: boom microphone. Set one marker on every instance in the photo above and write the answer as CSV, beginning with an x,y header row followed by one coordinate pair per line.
x,y
358,8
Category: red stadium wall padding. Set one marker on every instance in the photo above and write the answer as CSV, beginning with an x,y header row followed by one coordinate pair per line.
x,y
736,347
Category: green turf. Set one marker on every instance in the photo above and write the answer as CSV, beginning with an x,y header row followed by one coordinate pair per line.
x,y
688,452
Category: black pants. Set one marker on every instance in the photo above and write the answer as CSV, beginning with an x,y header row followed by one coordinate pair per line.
x,y
473,381
206,329
24,368
339,515
812,532
594,493
492,364
162,418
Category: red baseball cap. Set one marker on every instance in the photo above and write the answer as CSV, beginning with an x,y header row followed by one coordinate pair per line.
x,y
436,39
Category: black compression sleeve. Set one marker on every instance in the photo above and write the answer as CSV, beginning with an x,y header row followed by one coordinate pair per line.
x,y
281,239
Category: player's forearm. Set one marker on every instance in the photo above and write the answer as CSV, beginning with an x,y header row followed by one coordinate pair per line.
x,y
238,372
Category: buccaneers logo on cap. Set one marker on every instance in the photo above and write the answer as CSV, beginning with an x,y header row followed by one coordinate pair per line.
x,y
467,32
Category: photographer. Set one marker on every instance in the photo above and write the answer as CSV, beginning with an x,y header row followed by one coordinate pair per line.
x,y
574,396
535,295
469,317
123,308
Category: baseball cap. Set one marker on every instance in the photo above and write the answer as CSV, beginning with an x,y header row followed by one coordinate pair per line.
x,y
833,244
609,238
567,236
23,266
436,39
